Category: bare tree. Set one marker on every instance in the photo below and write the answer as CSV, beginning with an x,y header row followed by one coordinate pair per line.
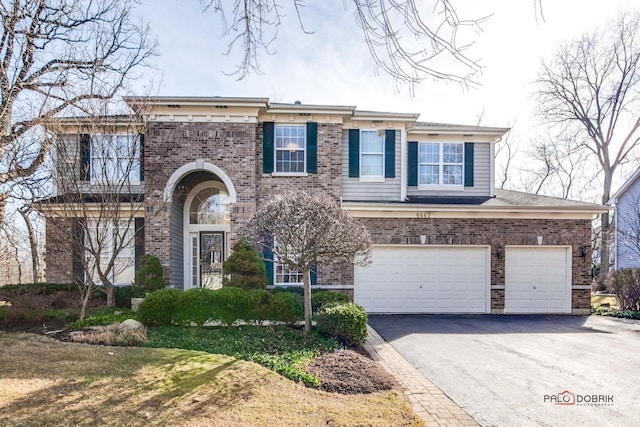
x,y
55,55
590,90
304,231
408,40
92,216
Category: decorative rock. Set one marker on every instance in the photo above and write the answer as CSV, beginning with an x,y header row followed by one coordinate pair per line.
x,y
131,324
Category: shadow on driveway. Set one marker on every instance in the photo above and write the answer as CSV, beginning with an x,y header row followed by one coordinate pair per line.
x,y
392,327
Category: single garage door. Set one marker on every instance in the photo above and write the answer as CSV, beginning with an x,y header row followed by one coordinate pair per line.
x,y
424,279
537,279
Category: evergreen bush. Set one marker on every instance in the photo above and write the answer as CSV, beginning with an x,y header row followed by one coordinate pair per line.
x,y
149,277
322,298
345,322
244,268
160,307
196,306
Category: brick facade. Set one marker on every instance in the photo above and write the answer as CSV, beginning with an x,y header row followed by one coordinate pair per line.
x,y
59,255
494,232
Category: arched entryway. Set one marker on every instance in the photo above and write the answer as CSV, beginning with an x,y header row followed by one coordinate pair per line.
x,y
201,195
206,228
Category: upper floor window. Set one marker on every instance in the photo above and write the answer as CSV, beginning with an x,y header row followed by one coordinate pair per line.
x,y
440,163
115,159
290,148
372,153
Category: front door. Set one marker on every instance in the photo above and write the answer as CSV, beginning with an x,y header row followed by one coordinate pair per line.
x,y
207,249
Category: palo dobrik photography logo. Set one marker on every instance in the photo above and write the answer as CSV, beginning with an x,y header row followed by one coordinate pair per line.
x,y
563,398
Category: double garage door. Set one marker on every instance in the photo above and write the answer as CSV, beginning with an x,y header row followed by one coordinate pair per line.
x,y
457,279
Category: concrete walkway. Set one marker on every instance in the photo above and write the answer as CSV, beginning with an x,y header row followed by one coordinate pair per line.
x,y
428,401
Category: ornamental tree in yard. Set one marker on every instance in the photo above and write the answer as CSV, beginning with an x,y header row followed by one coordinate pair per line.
x,y
304,231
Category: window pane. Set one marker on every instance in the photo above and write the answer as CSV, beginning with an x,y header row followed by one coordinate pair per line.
x,y
429,153
428,175
452,175
371,165
452,153
290,145
371,142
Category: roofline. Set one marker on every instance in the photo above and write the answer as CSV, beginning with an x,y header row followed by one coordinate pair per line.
x,y
282,108
406,207
191,101
625,186
447,129
381,115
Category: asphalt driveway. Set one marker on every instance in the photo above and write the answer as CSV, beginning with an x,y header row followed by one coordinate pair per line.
x,y
513,370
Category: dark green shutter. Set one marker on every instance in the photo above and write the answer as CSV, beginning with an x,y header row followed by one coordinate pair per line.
x,y
267,147
141,136
412,180
312,147
354,153
138,241
267,254
390,153
468,164
314,275
85,157
77,248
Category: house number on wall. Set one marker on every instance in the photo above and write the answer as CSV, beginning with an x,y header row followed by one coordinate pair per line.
x,y
423,215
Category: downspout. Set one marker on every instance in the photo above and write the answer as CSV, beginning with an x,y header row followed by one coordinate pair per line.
x,y
403,164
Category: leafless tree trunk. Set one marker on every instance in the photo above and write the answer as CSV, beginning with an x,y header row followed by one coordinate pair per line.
x,y
55,56
590,90
33,243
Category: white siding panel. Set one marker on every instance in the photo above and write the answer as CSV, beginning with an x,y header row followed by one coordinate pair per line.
x,y
354,190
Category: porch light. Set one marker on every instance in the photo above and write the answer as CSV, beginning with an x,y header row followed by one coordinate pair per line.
x,y
423,239
539,240
499,250
584,250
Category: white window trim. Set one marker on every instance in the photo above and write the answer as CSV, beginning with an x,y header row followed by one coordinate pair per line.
x,y
372,178
441,164
135,180
276,149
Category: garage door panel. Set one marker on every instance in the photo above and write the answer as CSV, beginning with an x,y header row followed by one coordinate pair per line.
x,y
424,280
537,280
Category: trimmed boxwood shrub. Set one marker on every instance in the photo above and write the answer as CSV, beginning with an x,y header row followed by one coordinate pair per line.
x,y
196,305
287,307
149,277
345,322
259,302
323,298
160,307
230,305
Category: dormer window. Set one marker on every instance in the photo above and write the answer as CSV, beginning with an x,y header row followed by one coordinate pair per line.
x,y
440,163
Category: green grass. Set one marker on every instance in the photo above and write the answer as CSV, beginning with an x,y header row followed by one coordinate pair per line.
x,y
104,316
279,348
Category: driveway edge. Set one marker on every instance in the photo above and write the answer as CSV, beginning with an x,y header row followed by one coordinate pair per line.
x,y
428,401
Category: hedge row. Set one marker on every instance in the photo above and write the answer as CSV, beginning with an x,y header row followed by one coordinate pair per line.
x,y
226,305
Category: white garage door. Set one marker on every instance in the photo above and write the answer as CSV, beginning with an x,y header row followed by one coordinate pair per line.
x,y
419,279
537,279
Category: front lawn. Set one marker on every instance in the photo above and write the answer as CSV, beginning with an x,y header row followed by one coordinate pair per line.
x,y
279,348
49,383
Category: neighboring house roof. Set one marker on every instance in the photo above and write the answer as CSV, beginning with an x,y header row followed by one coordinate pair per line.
x,y
623,189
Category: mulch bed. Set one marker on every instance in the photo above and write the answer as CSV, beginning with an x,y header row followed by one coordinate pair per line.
x,y
347,372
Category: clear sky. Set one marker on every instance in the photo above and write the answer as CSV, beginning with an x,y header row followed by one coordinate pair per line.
x,y
333,65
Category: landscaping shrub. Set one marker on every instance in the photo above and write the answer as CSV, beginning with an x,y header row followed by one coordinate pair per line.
x,y
160,307
298,290
123,295
625,284
345,322
287,307
112,335
149,277
230,305
196,306
322,298
30,302
259,302
244,268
